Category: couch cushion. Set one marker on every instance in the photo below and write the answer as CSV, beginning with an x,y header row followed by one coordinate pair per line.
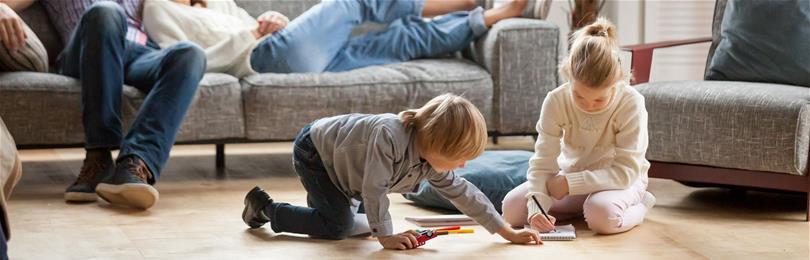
x,y
30,56
752,126
45,109
754,45
495,173
215,114
41,108
278,105
290,8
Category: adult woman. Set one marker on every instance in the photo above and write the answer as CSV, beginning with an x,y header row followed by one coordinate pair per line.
x,y
319,40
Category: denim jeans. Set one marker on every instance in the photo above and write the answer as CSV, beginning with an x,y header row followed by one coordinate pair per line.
x,y
3,245
319,40
329,215
103,60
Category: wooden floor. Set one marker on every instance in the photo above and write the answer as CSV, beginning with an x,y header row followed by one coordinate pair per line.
x,y
198,217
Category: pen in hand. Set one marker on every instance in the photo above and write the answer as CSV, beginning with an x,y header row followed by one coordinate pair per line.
x,y
542,210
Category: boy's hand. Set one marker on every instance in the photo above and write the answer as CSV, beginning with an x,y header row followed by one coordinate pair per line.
x,y
401,241
540,223
557,186
523,236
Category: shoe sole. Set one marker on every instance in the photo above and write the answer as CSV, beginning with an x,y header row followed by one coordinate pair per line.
x,y
252,224
141,196
80,197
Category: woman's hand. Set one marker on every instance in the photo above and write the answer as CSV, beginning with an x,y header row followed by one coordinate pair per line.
x,y
401,241
522,236
557,186
540,223
269,23
12,34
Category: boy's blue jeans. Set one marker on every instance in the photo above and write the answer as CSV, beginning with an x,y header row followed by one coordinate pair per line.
x,y
319,40
329,215
103,60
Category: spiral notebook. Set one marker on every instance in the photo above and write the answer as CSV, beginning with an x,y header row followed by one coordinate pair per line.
x,y
563,233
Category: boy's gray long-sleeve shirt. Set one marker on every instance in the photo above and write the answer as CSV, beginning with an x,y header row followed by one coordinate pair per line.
x,y
369,156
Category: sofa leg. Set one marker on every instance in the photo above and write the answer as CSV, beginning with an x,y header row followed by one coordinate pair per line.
x,y
495,139
220,161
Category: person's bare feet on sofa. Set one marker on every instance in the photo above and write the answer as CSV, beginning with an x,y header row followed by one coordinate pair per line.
x,y
515,8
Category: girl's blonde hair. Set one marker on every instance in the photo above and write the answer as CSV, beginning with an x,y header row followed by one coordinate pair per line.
x,y
449,126
594,56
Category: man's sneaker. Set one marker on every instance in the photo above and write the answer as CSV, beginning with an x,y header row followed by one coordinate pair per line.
x,y
129,186
648,200
255,202
98,164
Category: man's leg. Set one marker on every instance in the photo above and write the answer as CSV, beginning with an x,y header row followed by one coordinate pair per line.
x,y
310,41
95,55
170,78
415,38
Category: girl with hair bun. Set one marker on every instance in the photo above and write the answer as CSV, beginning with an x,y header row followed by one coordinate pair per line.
x,y
590,151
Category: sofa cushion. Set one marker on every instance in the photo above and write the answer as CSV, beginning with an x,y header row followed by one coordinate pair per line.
x,y
31,56
215,114
278,105
495,173
290,8
45,109
757,46
41,108
740,125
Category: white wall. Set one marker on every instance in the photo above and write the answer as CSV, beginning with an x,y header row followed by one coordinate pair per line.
x,y
645,21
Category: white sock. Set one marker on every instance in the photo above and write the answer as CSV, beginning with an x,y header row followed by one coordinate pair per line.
x,y
648,200
361,226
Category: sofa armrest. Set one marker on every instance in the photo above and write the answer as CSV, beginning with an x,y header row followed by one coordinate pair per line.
x,y
641,61
522,56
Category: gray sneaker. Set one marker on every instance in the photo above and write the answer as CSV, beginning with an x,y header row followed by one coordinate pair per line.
x,y
97,165
130,185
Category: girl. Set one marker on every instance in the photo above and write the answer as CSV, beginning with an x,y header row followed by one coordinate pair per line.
x,y
365,157
592,137
319,40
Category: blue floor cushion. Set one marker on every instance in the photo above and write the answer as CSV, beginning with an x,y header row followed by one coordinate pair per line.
x,y
495,173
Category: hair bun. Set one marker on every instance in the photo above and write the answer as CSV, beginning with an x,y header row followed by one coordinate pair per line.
x,y
601,27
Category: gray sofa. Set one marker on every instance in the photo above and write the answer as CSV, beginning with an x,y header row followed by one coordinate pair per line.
x,y
506,73
738,134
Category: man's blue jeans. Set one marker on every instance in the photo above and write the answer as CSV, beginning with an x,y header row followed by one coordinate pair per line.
x,y
319,40
103,60
329,215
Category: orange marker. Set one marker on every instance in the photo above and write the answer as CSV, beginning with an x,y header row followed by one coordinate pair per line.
x,y
458,231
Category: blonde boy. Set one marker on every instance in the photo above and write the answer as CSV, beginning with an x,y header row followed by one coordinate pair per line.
x,y
365,157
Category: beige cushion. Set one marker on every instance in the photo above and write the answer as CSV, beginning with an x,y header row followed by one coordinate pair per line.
x,y
10,173
30,57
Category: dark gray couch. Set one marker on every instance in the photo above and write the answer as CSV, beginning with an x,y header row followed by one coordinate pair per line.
x,y
506,74
733,133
